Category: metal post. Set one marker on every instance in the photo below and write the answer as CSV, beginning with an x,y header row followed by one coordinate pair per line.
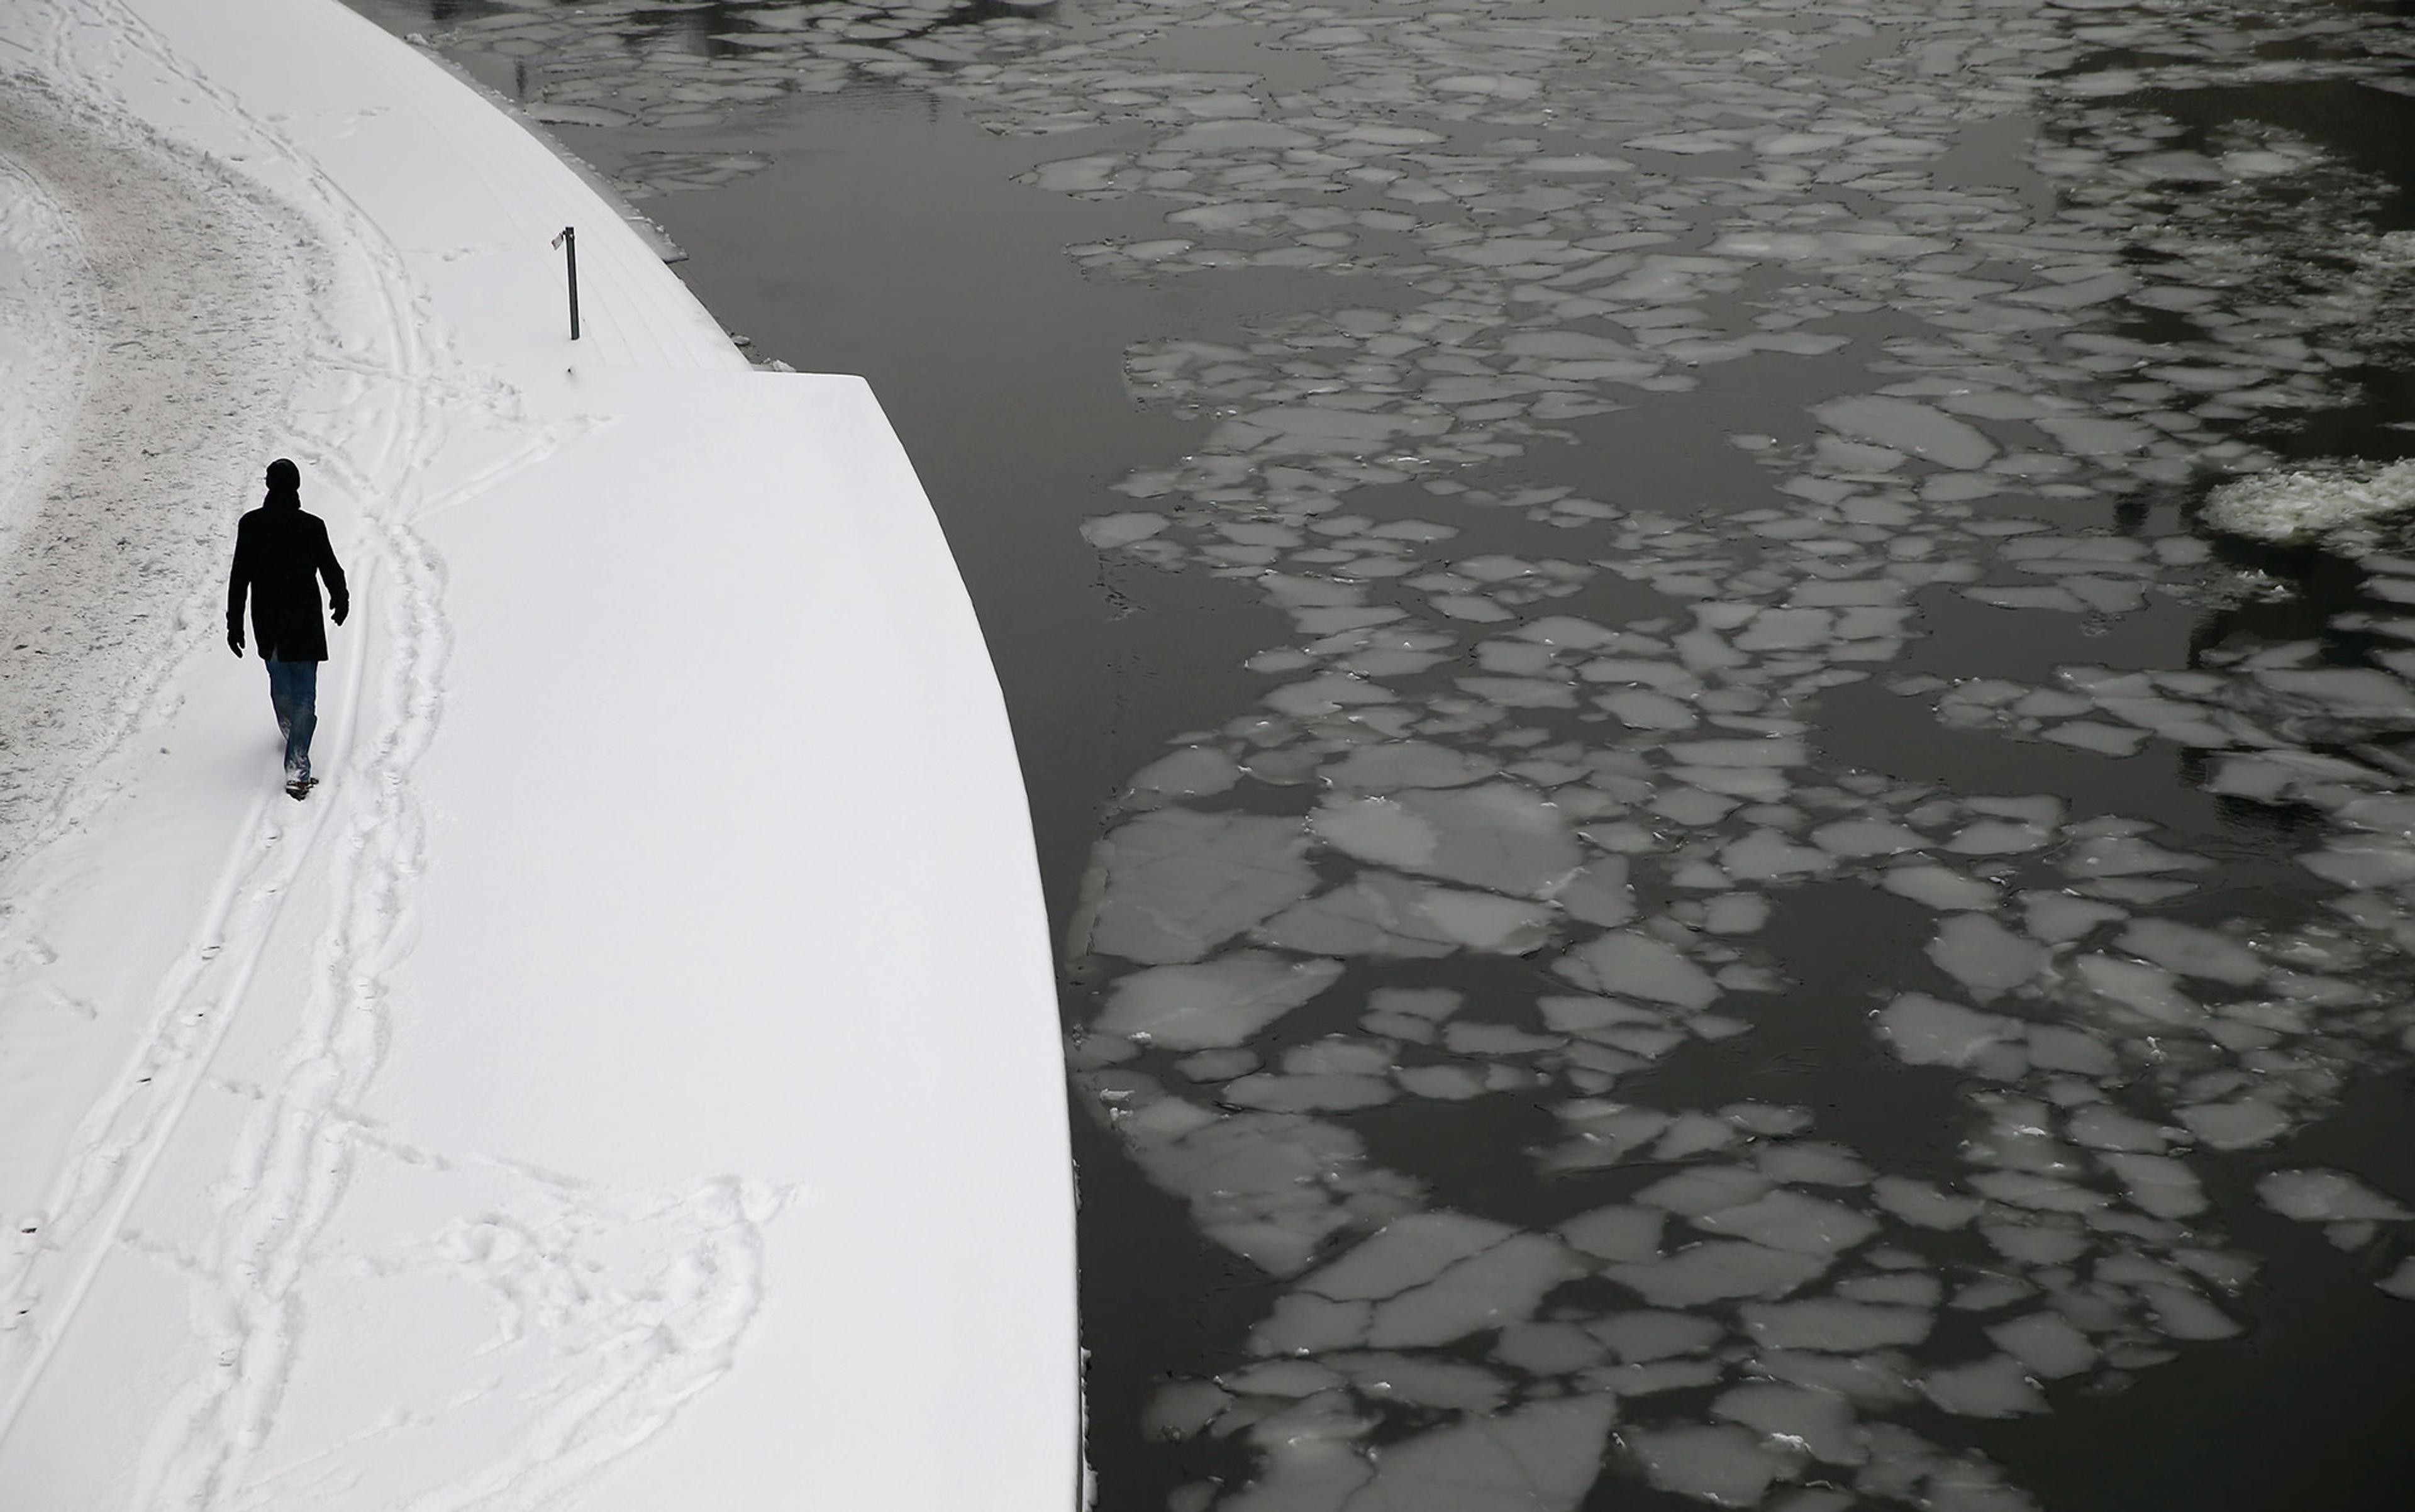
x,y
568,241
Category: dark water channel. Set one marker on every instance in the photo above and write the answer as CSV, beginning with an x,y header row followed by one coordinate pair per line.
x,y
1709,854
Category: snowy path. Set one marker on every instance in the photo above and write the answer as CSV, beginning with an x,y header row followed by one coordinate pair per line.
x,y
440,1141
149,297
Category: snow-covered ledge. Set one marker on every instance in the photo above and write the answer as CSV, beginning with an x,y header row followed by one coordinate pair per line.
x,y
631,1080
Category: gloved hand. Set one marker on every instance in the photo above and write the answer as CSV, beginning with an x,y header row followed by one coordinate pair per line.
x,y
234,640
342,610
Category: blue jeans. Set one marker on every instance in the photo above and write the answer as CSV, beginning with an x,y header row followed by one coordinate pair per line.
x,y
294,692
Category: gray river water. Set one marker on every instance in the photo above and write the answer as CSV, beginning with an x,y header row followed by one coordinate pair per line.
x,y
1717,698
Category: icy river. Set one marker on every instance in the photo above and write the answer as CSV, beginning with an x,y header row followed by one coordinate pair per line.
x,y
1720,699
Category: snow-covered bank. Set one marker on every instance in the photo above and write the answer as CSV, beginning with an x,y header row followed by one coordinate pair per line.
x,y
632,1079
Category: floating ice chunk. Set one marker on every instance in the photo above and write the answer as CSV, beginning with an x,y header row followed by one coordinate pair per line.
x,y
2101,1125
1107,531
1715,1270
2357,693
1518,693
2149,991
1735,913
1184,1408
2363,862
2183,1314
1378,913
1985,956
1817,1163
2125,855
2289,507
1693,1133
1923,1204
1724,1466
2029,1189
1871,1381
1222,136
1994,1387
1619,1233
1642,708
2059,916
1484,921
1571,1015
2095,734
2158,1183
2324,1196
1267,1185
2046,1343
1218,1065
1939,888
1327,694
1307,1468
1605,1133
1907,426
1406,1253
1495,1286
1445,1084
1431,1003
2236,1126
1216,1003
1786,630
1704,1189
1930,1031
1399,764
1820,1422
1790,1220
1499,836
1835,1326
1866,837
1573,345
1194,772
1771,753
1547,1348
1639,965
1996,837
1685,142
1177,882
1542,1458
1278,1378
1318,1092
1600,893
2095,436
1376,830
1636,1338
2400,1283
1499,86
1765,855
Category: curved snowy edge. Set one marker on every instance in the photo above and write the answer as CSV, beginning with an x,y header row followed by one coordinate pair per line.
x,y
923,1188
649,229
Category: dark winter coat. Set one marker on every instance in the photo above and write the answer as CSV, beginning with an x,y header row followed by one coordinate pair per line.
x,y
280,553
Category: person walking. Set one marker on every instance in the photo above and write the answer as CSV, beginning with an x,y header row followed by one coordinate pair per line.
x,y
280,553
